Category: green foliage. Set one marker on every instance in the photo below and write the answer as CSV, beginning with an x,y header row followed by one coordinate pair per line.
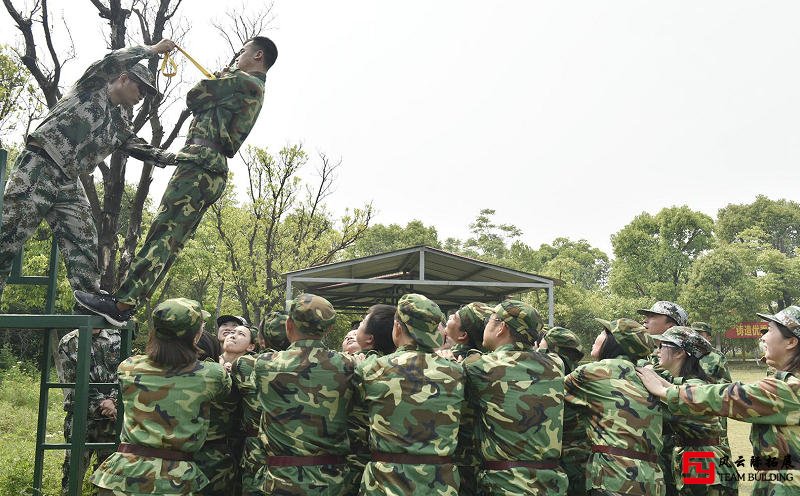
x,y
778,220
16,91
380,238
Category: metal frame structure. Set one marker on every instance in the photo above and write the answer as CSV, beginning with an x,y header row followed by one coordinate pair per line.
x,y
449,279
49,323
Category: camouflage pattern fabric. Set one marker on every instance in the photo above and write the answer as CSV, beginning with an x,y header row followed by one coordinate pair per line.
x,y
680,430
771,405
421,318
473,320
518,396
788,317
358,433
305,393
414,399
312,314
687,339
566,344
621,414
274,331
225,110
177,318
523,320
168,409
189,193
670,309
215,458
103,362
575,450
97,431
253,456
84,127
37,189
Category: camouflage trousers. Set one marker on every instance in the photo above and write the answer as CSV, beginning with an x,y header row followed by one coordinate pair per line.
x,y
97,431
190,192
522,481
253,458
218,465
319,480
400,479
38,189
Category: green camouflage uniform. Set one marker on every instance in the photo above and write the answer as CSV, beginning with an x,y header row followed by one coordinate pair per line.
x,y
473,319
414,399
358,433
575,446
682,434
164,409
253,456
225,110
104,359
82,129
305,393
621,415
518,394
215,458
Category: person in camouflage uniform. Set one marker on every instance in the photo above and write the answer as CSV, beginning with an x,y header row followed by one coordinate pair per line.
x,y
273,333
770,404
465,330
625,421
575,446
414,399
518,396
225,109
680,353
374,339
663,315
306,395
83,128
167,395
102,412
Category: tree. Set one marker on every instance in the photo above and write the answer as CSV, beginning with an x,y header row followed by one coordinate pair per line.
x,y
489,239
654,253
17,94
380,238
779,220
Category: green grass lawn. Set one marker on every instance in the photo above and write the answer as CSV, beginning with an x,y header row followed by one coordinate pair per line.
x,y
19,395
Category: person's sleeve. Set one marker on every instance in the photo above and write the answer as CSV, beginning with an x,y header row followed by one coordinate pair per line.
x,y
116,62
224,387
769,401
140,149
68,366
241,373
575,387
359,392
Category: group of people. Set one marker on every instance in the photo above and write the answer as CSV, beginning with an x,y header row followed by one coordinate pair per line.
x,y
485,401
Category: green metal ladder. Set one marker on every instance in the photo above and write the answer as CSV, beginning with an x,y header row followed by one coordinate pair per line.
x,y
47,322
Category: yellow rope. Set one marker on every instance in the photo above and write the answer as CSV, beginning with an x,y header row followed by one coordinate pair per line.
x,y
169,68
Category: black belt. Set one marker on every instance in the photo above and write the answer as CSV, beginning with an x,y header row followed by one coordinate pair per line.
x,y
206,143
509,464
305,461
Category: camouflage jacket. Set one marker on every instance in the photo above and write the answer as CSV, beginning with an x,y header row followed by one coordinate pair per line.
x,y
358,420
306,395
771,405
224,416
103,362
462,351
84,127
716,366
166,409
225,110
621,414
242,376
414,402
518,394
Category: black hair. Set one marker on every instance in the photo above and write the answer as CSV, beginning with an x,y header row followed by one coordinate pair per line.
x,y
380,321
354,325
793,365
172,353
209,347
691,368
611,348
268,47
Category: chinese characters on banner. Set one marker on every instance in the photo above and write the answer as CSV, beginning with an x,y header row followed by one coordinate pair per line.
x,y
746,330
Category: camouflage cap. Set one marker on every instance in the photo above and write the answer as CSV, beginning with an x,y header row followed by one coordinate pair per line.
x,y
668,308
312,314
473,320
789,317
421,317
702,327
273,328
686,339
178,317
231,318
631,336
559,338
142,74
522,318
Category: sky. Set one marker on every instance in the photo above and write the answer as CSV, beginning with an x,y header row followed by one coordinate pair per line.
x,y
567,118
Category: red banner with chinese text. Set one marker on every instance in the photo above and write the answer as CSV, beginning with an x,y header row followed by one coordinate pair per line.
x,y
746,330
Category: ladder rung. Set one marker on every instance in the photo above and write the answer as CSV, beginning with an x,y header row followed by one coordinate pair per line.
x,y
65,385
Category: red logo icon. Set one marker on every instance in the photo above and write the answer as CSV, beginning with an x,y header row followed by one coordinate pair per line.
x,y
693,461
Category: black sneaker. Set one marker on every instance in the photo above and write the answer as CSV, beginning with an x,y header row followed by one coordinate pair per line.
x,y
104,305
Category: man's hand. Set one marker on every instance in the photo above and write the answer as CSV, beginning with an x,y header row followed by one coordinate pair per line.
x,y
163,46
108,408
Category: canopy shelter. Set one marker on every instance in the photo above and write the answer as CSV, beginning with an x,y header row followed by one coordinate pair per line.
x,y
448,279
